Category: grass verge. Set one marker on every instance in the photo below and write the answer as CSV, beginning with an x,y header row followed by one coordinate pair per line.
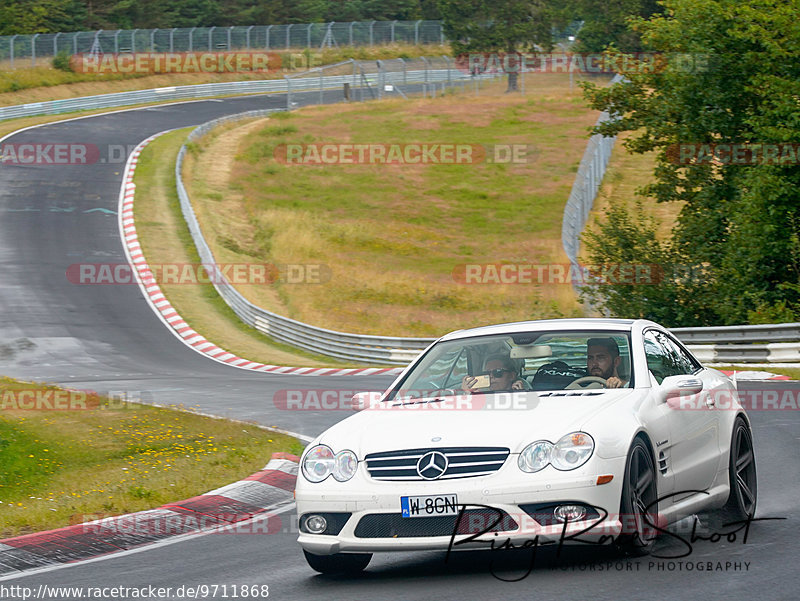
x,y
109,457
391,236
627,173
37,84
792,372
166,240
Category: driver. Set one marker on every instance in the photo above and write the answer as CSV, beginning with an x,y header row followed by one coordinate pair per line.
x,y
503,376
602,360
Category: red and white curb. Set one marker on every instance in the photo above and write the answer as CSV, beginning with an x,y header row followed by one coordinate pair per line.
x,y
753,375
249,506
167,313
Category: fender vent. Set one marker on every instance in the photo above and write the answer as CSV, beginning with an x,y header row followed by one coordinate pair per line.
x,y
662,463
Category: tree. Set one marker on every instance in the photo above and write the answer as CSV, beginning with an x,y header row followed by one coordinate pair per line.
x,y
510,26
606,22
730,80
40,16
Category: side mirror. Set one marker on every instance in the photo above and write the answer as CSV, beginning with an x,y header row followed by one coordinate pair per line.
x,y
365,400
679,386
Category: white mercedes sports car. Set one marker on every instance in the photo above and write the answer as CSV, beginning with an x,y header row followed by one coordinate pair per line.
x,y
531,433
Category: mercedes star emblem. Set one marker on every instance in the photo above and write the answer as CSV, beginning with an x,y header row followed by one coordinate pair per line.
x,y
432,465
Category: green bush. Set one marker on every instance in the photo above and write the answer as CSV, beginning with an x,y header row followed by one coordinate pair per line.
x,y
62,62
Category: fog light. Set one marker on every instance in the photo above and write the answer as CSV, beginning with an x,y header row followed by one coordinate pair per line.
x,y
570,513
316,524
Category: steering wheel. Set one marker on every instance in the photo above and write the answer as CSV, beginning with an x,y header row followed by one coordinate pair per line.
x,y
587,382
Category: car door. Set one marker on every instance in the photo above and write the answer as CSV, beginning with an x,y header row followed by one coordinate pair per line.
x,y
692,452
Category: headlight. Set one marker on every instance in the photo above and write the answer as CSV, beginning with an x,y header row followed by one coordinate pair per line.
x,y
535,456
572,451
345,465
320,462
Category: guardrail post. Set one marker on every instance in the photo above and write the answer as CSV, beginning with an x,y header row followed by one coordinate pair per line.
x,y
427,66
211,33
116,41
288,93
371,36
381,78
11,48
191,40
75,43
153,39
393,24
328,38
351,31
288,29
33,49
416,33
247,35
133,42
172,39
405,74
447,60
55,43
229,37
308,35
320,86
441,34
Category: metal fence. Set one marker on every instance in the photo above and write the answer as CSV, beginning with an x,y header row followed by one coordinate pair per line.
x,y
584,190
25,50
373,80
767,343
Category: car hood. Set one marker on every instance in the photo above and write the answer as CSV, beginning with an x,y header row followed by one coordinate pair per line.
x,y
424,425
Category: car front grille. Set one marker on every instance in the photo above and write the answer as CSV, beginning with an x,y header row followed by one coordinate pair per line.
x,y
473,521
463,462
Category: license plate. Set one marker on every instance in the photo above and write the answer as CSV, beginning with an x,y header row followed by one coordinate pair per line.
x,y
429,506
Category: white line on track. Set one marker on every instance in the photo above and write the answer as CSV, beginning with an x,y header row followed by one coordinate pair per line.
x,y
270,512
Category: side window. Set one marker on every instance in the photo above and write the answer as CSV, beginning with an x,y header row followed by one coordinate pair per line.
x,y
688,364
664,358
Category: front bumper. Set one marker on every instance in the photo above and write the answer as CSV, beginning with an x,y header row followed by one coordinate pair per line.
x,y
505,490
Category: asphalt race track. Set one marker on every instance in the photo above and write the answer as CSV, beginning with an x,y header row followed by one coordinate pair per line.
x,y
108,339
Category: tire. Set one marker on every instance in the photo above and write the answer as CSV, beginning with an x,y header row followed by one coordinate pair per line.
x,y
639,492
742,499
338,563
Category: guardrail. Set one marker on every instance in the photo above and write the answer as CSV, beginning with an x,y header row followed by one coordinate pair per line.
x,y
119,99
767,343
353,347
767,347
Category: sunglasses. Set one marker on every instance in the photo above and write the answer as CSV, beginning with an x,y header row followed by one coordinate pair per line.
x,y
498,373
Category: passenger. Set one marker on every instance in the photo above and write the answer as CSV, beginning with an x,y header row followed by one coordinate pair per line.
x,y
503,376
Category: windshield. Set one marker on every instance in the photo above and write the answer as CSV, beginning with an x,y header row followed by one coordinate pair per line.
x,y
549,360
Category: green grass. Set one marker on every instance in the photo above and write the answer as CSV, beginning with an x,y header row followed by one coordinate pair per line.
x,y
23,78
792,372
165,239
392,235
115,458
